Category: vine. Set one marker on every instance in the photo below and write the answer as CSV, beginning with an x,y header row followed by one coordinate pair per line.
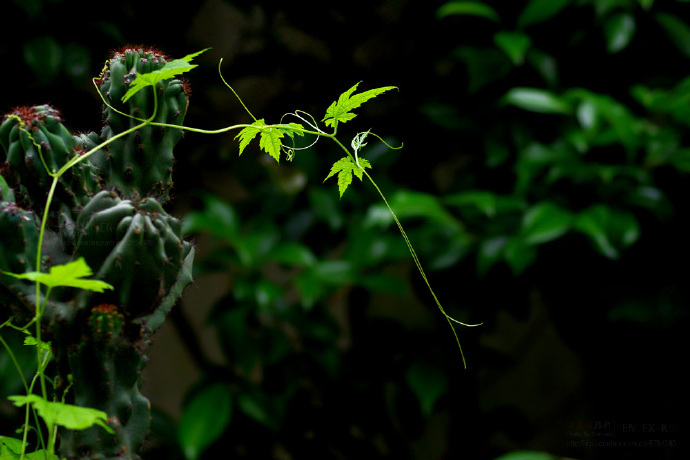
x,y
74,274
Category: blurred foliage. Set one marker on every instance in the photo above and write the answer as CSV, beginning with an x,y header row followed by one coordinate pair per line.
x,y
555,137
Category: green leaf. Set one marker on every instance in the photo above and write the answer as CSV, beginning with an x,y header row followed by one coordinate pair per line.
x,y
487,202
536,100
293,254
270,136
218,218
677,30
169,70
519,255
490,251
428,383
544,222
610,230
270,141
619,30
514,44
34,342
67,275
340,110
345,167
467,8
540,10
10,448
204,419
67,415
249,133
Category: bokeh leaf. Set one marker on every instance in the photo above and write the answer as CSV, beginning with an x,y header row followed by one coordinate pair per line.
x,y
536,100
619,30
467,8
610,230
204,419
545,222
514,44
540,10
428,383
677,30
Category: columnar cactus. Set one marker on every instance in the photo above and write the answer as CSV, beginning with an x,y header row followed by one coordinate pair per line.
x,y
107,209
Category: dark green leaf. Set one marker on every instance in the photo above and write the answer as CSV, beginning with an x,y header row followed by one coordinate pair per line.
x,y
610,230
293,254
619,30
519,255
545,64
677,30
540,10
490,251
217,218
204,419
428,383
536,100
514,44
467,8
545,222
44,56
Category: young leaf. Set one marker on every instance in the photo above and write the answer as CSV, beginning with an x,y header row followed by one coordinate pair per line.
x,y
169,70
249,133
34,342
340,110
270,139
344,168
67,275
67,415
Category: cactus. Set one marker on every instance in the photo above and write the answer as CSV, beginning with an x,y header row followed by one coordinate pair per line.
x,y
107,209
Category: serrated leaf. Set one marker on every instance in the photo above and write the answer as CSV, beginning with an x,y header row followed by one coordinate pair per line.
x,y
33,342
67,415
270,136
169,70
249,133
68,275
340,110
270,141
345,167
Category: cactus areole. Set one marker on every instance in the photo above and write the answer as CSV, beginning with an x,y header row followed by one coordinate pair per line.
x,y
109,210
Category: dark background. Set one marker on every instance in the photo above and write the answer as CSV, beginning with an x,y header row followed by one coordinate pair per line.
x,y
574,344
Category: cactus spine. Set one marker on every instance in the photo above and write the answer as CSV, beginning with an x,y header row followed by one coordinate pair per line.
x,y
107,209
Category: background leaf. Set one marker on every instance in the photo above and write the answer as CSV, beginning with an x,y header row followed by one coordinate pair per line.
x,y
204,419
536,100
540,10
467,8
544,222
619,30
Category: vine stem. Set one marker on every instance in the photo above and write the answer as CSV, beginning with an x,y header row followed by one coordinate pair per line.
x,y
355,159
